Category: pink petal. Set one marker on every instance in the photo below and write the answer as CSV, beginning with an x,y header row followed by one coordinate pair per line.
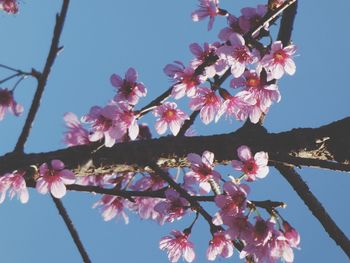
x,y
244,153
116,80
131,75
41,186
161,126
175,127
133,130
238,165
58,189
67,176
289,66
57,164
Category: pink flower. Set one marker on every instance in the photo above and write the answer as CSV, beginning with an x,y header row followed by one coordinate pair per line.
x,y
238,106
144,207
252,167
128,89
168,115
15,183
268,244
207,8
9,6
53,178
251,17
77,134
262,242
203,54
279,60
174,207
153,182
177,245
207,102
233,27
264,94
291,234
103,122
239,227
202,170
237,55
126,122
7,101
232,203
186,79
221,244
112,206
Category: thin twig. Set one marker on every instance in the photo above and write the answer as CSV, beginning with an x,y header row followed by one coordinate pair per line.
x,y
73,232
272,17
316,208
42,78
309,162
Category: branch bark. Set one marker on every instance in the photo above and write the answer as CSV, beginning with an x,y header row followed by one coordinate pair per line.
x,y
327,147
316,208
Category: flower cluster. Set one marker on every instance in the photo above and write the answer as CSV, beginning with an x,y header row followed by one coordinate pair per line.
x,y
252,69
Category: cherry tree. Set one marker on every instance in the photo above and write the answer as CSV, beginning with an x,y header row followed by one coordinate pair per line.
x,y
166,171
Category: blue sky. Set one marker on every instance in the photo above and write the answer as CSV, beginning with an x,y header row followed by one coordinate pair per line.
x,y
103,39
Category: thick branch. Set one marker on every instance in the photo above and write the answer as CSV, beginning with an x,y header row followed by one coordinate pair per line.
x,y
42,77
330,143
316,208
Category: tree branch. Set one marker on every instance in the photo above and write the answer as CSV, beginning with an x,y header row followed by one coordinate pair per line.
x,y
42,77
329,143
73,232
316,208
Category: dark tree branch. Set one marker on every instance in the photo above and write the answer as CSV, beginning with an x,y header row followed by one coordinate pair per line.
x,y
329,143
316,208
42,78
287,21
73,232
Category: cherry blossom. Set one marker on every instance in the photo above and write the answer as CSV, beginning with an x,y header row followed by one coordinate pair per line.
x,y
126,122
145,208
14,183
174,207
291,234
233,27
103,121
111,207
232,203
237,55
8,102
268,244
77,134
252,167
279,60
238,106
9,6
202,171
53,178
176,245
169,115
205,55
251,17
221,244
186,79
207,8
128,89
207,102
264,94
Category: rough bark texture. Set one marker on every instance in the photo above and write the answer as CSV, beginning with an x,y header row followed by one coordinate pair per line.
x,y
327,147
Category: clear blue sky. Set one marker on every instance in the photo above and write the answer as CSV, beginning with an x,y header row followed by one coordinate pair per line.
x,y
108,37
